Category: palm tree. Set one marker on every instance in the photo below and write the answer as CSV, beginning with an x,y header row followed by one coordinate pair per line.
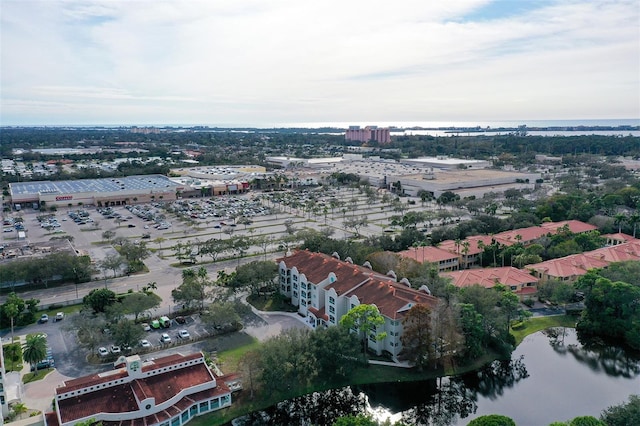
x,y
633,220
481,247
34,349
618,220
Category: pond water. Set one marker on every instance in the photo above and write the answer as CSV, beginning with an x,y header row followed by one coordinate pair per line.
x,y
551,377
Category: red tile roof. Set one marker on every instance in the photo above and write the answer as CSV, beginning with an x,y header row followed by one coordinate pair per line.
x,y
450,245
317,266
428,254
390,297
488,277
617,253
569,266
368,286
319,313
575,226
620,236
527,235
122,397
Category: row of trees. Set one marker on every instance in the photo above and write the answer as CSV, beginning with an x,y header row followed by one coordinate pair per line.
x,y
58,267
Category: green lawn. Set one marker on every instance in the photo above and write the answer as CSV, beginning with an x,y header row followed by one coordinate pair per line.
x,y
36,375
276,303
536,324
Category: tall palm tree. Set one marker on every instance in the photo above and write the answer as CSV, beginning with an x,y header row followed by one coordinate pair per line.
x,y
618,220
34,349
633,220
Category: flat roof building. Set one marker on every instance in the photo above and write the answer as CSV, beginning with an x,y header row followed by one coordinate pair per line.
x,y
105,191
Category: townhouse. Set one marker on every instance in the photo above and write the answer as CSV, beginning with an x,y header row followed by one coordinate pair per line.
x,y
443,259
324,288
167,391
522,283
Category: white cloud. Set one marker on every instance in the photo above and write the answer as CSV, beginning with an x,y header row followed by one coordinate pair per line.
x,y
256,62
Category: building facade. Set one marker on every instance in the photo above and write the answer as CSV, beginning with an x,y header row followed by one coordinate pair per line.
x,y
369,133
168,391
324,289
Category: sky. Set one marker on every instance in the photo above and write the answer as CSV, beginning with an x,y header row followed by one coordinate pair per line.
x,y
291,62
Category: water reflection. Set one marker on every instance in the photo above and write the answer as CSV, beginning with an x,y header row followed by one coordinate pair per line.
x,y
559,384
596,354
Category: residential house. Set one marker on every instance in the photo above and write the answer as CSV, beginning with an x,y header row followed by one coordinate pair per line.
x,y
618,238
168,391
568,268
324,288
443,259
522,283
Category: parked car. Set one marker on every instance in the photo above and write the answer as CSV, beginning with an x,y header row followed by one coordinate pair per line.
x,y
115,349
145,343
155,324
165,338
146,326
180,319
59,316
102,351
184,334
44,318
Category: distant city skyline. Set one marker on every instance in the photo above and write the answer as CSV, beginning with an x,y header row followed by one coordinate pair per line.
x,y
288,63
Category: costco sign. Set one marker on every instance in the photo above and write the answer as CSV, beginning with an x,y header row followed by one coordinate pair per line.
x,y
64,197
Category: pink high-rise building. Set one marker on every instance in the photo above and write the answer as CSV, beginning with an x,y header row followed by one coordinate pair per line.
x,y
369,133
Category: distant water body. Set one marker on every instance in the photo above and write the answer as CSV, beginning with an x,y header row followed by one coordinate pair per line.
x,y
609,127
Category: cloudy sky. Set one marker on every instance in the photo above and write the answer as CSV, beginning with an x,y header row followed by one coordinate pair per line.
x,y
265,63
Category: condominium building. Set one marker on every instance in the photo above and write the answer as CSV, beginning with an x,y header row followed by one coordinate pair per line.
x,y
168,391
324,288
369,133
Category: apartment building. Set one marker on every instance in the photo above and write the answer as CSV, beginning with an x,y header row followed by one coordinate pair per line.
x,y
369,133
324,288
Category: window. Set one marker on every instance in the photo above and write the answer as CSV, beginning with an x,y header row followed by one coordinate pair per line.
x,y
295,294
295,278
353,306
295,286
332,301
193,410
513,288
303,294
303,285
303,302
332,319
185,416
204,406
332,309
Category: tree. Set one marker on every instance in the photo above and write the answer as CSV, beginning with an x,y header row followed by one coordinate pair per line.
x,y
492,420
134,253
99,299
612,309
258,276
624,414
108,235
355,420
140,302
193,288
126,333
336,352
11,310
34,349
417,336
88,329
619,219
112,262
219,314
250,366
364,319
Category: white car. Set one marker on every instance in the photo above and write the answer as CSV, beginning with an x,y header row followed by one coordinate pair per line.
x,y
145,343
146,327
102,351
115,349
184,334
165,338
